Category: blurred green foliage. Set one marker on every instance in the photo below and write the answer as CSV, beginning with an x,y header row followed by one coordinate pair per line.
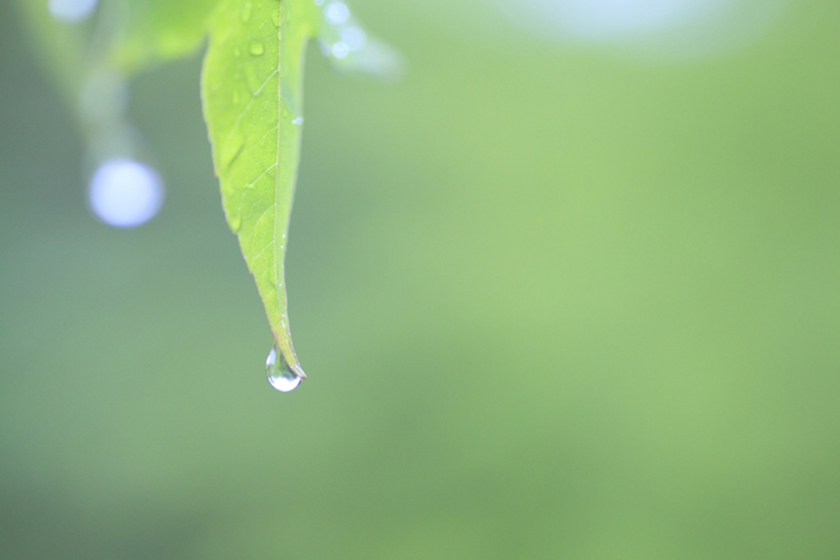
x,y
131,34
552,303
162,29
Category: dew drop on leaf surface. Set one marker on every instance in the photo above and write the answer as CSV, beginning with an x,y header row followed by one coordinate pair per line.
x,y
257,48
280,375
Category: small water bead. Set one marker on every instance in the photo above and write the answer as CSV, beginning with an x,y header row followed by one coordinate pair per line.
x,y
280,375
337,13
236,52
297,121
256,48
246,12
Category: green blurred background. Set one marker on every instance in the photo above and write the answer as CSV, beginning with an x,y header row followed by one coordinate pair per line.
x,y
555,301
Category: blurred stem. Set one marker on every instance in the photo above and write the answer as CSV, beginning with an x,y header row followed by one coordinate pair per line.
x,y
79,61
61,48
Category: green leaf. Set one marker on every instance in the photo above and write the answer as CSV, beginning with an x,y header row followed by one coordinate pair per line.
x,y
252,99
129,34
252,96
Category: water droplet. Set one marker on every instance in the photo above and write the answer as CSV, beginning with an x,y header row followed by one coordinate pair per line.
x,y
236,52
319,2
246,12
236,97
298,120
340,50
235,223
256,48
337,13
280,374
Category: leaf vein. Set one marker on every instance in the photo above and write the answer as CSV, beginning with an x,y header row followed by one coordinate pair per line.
x,y
251,185
244,110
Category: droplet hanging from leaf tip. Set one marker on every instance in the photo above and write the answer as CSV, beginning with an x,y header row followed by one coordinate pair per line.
x,y
280,375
